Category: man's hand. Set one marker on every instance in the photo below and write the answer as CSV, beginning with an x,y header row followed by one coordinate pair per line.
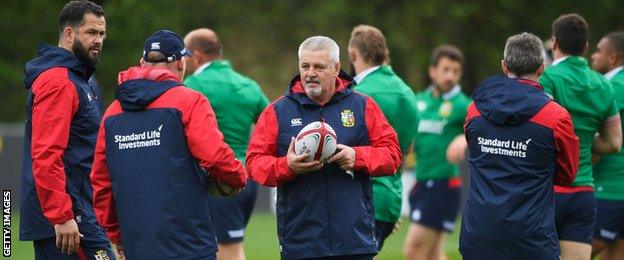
x,y
118,250
67,236
456,151
297,163
345,157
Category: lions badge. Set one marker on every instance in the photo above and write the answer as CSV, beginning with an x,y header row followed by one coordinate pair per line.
x,y
348,120
101,254
445,109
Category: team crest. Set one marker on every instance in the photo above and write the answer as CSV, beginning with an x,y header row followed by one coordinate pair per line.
x,y
445,109
101,254
348,120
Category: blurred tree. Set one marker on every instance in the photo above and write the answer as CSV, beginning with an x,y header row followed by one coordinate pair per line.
x,y
261,37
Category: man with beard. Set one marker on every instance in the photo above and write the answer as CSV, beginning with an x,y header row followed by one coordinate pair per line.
x,y
323,212
61,127
369,58
439,145
609,171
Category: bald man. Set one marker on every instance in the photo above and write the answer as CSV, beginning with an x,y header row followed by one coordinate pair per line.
x,y
237,102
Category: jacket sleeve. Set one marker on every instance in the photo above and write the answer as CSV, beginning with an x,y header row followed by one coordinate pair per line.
x,y
263,163
206,143
103,200
567,145
383,156
55,102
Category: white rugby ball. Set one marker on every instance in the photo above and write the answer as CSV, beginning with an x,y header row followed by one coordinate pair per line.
x,y
318,140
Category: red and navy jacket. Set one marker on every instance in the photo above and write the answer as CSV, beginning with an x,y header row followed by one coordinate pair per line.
x,y
521,143
327,212
157,145
62,120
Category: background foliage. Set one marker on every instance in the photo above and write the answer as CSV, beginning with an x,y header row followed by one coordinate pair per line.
x,y
261,37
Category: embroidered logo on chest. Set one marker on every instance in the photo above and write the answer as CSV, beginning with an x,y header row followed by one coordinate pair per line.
x,y
348,120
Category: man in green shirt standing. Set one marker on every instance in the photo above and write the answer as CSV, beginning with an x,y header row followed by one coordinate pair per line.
x,y
237,102
369,58
439,145
589,98
609,171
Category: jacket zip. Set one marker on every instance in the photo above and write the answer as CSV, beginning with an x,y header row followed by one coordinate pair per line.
x,y
331,246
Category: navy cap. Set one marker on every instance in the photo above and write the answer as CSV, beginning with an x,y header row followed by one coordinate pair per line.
x,y
166,42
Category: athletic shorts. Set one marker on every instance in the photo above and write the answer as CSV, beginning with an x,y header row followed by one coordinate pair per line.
x,y
609,220
382,231
231,215
575,214
46,249
435,203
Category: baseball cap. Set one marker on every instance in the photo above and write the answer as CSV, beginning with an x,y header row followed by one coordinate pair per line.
x,y
166,42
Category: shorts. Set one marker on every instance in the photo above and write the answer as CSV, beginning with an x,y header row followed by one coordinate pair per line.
x,y
575,214
382,231
231,215
609,220
435,203
46,249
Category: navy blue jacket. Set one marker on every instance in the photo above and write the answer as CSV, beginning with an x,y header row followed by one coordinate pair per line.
x,y
62,120
327,212
157,145
520,143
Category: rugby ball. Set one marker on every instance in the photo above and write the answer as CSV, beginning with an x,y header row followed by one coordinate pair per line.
x,y
221,190
317,140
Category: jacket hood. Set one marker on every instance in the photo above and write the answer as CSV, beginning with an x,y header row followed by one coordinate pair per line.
x,y
140,86
49,57
344,84
506,101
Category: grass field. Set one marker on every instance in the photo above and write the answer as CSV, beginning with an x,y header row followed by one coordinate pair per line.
x,y
261,241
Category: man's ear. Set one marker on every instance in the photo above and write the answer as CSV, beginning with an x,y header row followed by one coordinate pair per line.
x,y
337,68
504,68
142,62
352,55
68,35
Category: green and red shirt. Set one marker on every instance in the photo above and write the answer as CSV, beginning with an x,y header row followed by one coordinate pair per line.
x,y
398,104
609,171
589,99
236,100
441,120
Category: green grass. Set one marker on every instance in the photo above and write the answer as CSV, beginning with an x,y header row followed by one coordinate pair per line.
x,y
261,241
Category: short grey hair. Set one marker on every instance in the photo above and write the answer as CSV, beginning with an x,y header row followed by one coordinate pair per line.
x,y
317,43
524,54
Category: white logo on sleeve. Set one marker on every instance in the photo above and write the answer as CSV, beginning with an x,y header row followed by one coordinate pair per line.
x,y
504,147
139,140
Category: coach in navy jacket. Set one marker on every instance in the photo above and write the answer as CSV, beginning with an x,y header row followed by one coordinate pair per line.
x,y
158,143
321,209
521,143
62,119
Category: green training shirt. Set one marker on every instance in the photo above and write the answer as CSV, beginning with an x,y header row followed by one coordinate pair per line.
x,y
236,100
398,104
609,172
588,97
441,120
